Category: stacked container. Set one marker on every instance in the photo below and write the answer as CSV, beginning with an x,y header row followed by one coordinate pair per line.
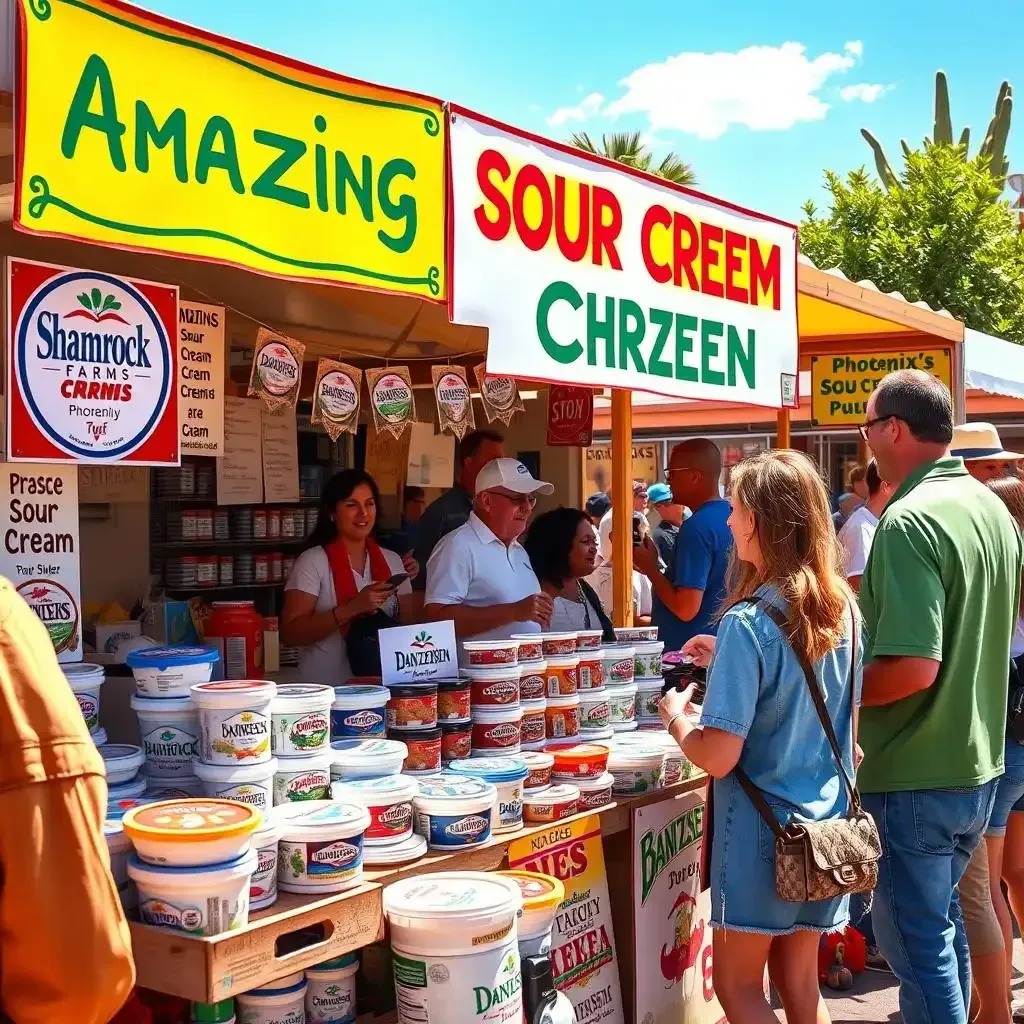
x,y
412,720
300,739
495,709
86,682
562,710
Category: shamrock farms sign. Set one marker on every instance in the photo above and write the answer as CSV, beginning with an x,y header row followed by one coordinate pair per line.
x,y
92,367
612,279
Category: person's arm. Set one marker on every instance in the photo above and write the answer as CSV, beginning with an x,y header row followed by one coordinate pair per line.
x,y
683,593
644,604
66,948
856,547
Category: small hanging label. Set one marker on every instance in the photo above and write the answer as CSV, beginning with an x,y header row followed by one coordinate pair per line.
x,y
454,401
336,398
391,398
500,395
276,369
570,416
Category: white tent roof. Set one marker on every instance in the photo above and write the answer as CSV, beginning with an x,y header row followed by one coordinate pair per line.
x,y
993,365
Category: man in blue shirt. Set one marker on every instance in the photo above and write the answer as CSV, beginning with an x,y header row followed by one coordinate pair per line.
x,y
689,595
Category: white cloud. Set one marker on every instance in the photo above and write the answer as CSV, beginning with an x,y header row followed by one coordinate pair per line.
x,y
588,107
855,48
864,92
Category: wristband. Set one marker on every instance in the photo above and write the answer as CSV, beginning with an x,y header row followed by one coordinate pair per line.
x,y
672,721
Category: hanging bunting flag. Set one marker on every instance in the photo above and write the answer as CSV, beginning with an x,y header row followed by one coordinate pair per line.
x,y
454,401
391,398
336,398
570,416
499,394
276,369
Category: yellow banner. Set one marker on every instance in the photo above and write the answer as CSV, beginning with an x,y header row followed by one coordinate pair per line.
x,y
137,131
842,384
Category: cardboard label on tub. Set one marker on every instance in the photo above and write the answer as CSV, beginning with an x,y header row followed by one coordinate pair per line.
x,y
417,654
582,940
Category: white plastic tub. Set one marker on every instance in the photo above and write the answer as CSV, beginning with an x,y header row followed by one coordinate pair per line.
x,y
676,765
648,696
184,787
404,852
455,949
122,762
119,846
85,681
595,711
234,721
207,900
163,672
301,719
358,711
321,846
453,813
367,758
248,783
540,765
507,775
303,778
542,895
263,886
637,768
277,1003
622,705
331,991
543,806
389,803
191,833
170,735
596,792
647,660
496,730
126,794
618,664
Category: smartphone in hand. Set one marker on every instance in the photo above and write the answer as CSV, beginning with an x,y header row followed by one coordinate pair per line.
x,y
397,580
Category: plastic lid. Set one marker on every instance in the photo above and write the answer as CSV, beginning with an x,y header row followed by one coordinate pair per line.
x,y
602,781
233,772
306,692
565,700
316,818
575,753
358,752
112,753
192,820
339,963
309,763
369,791
262,688
213,1013
396,853
467,894
99,737
82,670
537,759
281,987
139,703
127,790
358,696
166,657
539,891
491,769
560,793
452,787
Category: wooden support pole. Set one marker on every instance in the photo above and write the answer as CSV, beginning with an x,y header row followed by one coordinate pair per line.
x,y
782,438
622,507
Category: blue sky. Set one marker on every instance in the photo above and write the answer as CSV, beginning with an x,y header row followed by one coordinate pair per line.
x,y
759,97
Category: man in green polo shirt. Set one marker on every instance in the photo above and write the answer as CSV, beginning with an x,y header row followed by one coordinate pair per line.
x,y
939,597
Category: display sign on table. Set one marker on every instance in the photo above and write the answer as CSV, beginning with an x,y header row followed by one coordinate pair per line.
x,y
417,654
149,134
201,378
40,551
91,370
613,279
570,416
841,385
582,938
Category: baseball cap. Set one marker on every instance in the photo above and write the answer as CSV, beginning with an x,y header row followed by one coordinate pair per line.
x,y
658,494
513,476
597,504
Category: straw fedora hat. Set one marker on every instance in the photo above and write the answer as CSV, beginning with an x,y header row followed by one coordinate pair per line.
x,y
974,442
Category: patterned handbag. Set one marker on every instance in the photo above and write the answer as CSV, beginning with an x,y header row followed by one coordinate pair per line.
x,y
820,860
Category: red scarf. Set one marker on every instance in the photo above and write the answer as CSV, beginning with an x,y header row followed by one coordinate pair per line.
x,y
341,568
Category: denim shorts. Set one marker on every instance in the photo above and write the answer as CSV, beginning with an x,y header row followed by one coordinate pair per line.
x,y
1010,790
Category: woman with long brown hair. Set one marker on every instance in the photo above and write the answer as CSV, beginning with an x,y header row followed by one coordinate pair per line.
x,y
758,715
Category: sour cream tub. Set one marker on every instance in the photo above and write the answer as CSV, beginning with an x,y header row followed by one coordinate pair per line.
x,y
453,700
622,706
648,696
647,660
367,758
300,719
454,941
534,729
533,680
274,1004
575,761
234,720
122,762
163,672
618,665
542,895
204,900
424,751
677,767
562,675
303,778
486,653
558,644
552,804
562,717
321,846
263,885
495,687
590,674
185,787
358,711
119,847
85,681
635,634
170,734
456,741
496,730
251,784
531,647
412,706
331,991
507,775
388,801
404,852
539,765
191,833
453,813
127,794
595,792
637,768
595,711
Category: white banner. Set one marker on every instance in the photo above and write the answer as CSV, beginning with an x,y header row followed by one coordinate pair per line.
x,y
611,279
201,377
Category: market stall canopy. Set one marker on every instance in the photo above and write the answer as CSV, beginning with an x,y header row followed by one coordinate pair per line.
x,y
993,365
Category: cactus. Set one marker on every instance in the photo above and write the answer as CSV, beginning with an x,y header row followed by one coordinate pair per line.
x,y
943,130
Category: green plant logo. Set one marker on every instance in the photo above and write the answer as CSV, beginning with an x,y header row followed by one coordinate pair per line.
x,y
422,639
98,307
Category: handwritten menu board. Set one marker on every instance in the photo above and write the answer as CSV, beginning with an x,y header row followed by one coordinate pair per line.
x,y
386,458
239,473
280,455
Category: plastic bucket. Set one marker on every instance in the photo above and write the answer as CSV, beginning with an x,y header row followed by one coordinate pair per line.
x,y
303,778
85,681
358,711
247,783
234,721
507,775
321,846
300,714
162,672
453,813
170,735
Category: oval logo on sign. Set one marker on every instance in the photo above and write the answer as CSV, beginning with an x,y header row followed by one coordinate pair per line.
x,y
57,610
278,368
93,364
339,397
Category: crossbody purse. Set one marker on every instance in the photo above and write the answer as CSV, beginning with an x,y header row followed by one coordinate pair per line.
x,y
820,860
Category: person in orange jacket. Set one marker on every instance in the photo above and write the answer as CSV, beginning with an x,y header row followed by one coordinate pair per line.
x,y
65,949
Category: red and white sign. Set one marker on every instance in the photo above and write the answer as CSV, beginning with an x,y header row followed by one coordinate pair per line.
x,y
570,416
91,367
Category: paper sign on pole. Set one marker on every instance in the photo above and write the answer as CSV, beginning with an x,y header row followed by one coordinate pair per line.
x,y
431,457
611,279
570,416
40,551
416,654
201,378
582,940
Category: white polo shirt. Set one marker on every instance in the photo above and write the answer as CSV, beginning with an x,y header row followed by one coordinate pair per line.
x,y
473,567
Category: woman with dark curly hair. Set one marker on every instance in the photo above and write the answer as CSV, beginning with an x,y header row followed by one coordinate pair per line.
x,y
563,549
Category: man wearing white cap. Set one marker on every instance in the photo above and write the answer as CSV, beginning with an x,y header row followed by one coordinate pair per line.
x,y
979,446
480,575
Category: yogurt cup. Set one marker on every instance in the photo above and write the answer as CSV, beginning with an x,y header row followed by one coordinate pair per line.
x,y
453,703
622,705
637,768
562,717
487,653
493,687
539,765
590,675
542,895
263,885
533,680
321,846
191,833
367,758
234,721
589,640
275,1004
122,762
595,711
677,767
562,675
647,659
358,711
531,647
300,779
618,665
534,729
578,760
453,813
162,672
557,644
412,706
170,735
496,730
507,775
648,695
85,681
404,852
331,991
201,900
424,750
635,634
558,801
300,720
99,736
126,794
456,741
185,787
251,784
388,800
595,792
119,847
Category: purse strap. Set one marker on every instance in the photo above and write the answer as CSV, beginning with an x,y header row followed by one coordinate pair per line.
x,y
818,699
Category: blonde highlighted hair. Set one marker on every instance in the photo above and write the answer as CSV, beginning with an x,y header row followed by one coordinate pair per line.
x,y
802,557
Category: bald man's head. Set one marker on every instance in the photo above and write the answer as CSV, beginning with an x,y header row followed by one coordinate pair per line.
x,y
694,470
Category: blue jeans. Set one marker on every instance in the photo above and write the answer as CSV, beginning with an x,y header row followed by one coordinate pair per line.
x,y
928,836
860,917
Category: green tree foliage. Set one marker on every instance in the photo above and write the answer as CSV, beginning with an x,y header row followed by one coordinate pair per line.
x,y
939,232
627,148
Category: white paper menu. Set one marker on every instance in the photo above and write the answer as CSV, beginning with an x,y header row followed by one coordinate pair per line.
x,y
280,455
239,476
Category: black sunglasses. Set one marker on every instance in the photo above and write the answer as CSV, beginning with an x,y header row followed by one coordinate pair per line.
x,y
865,427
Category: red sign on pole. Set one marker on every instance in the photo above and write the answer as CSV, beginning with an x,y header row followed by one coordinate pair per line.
x,y
570,416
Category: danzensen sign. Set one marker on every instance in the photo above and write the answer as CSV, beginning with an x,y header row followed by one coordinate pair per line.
x,y
92,367
608,278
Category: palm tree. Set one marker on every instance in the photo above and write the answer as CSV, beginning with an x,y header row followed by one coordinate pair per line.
x,y
627,148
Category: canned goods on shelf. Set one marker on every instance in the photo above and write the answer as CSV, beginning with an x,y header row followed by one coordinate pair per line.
x,y
261,568
273,523
204,524
226,565
276,566
204,481
288,525
312,514
206,571
259,524
189,525
241,524
221,529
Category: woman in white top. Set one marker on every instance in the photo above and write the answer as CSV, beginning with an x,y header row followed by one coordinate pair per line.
x,y
342,575
601,578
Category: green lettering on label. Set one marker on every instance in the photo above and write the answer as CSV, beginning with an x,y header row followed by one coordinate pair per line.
x,y
561,352
268,184
631,335
172,131
684,344
709,331
225,158
741,356
600,329
662,318
404,208
95,75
